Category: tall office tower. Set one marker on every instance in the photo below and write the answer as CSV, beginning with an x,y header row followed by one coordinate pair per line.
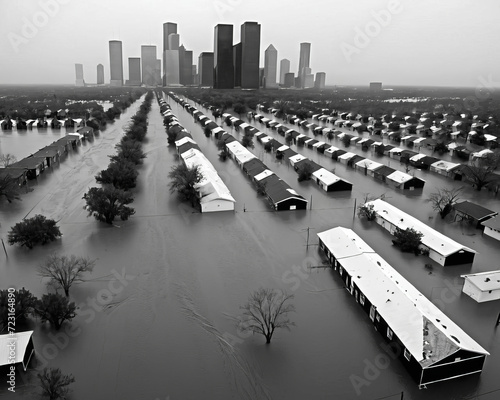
x,y
158,77
250,55
79,75
237,64
173,41
270,67
148,59
172,68
375,87
289,80
319,82
187,72
100,74
182,61
115,63
134,71
307,79
305,55
194,75
168,29
223,57
284,69
206,69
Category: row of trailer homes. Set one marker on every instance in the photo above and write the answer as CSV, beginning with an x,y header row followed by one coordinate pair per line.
x,y
430,345
32,166
390,176
280,195
442,249
213,194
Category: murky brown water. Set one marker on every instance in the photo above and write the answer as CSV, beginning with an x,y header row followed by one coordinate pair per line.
x,y
157,319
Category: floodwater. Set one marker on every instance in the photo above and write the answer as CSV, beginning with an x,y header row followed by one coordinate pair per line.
x,y
158,317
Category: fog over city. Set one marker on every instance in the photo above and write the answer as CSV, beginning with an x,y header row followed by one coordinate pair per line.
x,y
397,42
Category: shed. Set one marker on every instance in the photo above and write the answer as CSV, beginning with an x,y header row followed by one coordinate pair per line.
x,y
383,172
483,286
444,168
23,350
254,167
432,347
344,158
492,228
402,180
330,182
476,214
281,196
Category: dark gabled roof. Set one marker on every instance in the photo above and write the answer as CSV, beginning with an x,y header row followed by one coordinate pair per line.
x,y
227,138
254,167
186,146
387,147
182,134
13,172
312,142
29,162
276,144
301,163
356,159
294,133
384,170
67,139
84,130
408,153
211,125
278,190
237,122
474,210
428,160
49,151
288,153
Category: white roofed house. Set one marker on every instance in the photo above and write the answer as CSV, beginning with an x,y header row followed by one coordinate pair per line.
x,y
445,168
442,249
402,180
212,192
330,182
239,152
427,342
483,286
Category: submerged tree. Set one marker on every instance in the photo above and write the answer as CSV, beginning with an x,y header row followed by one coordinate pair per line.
x,y
408,240
266,311
55,308
7,159
9,188
23,305
443,200
107,203
34,230
122,174
183,181
63,271
54,383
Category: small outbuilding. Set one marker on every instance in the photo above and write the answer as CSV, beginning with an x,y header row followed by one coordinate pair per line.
x,y
483,286
474,213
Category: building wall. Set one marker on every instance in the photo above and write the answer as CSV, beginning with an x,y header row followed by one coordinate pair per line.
x,y
284,69
250,55
148,58
171,62
134,70
270,67
168,29
237,64
115,63
100,74
217,205
206,69
473,291
492,233
223,57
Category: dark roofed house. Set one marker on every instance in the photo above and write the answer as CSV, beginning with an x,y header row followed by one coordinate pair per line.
x,y
34,166
285,152
383,172
87,132
18,174
51,153
473,213
281,195
69,141
254,167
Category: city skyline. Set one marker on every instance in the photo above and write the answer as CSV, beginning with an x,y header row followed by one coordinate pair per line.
x,y
402,42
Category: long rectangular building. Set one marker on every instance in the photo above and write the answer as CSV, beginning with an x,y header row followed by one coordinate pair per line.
x,y
442,249
429,344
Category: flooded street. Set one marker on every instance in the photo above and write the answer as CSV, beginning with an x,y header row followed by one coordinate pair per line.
x,y
158,317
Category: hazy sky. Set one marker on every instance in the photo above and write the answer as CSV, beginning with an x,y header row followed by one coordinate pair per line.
x,y
398,42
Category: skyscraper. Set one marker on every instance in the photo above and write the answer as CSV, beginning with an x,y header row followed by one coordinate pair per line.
x,y
100,74
206,69
148,58
173,41
304,58
182,62
237,64
169,28
171,62
284,69
289,80
270,67
319,82
250,55
223,57
187,73
134,71
79,75
158,78
115,63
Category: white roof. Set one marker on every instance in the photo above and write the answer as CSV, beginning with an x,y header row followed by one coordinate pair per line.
x,y
416,141
326,177
296,158
489,137
211,186
240,152
482,153
21,340
407,312
244,125
395,150
444,165
217,129
417,157
331,149
399,177
318,144
283,148
300,136
265,139
309,140
263,174
346,156
184,140
368,164
484,281
431,238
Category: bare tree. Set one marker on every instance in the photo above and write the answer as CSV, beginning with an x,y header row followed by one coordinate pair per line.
x,y
442,201
266,311
63,271
54,383
7,159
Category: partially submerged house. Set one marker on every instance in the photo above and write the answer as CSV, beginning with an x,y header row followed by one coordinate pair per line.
x,y
281,196
472,212
402,180
483,286
34,166
330,182
492,228
239,153
22,352
442,249
431,346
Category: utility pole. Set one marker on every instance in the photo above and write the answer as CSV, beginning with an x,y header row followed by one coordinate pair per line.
x,y
6,255
354,210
